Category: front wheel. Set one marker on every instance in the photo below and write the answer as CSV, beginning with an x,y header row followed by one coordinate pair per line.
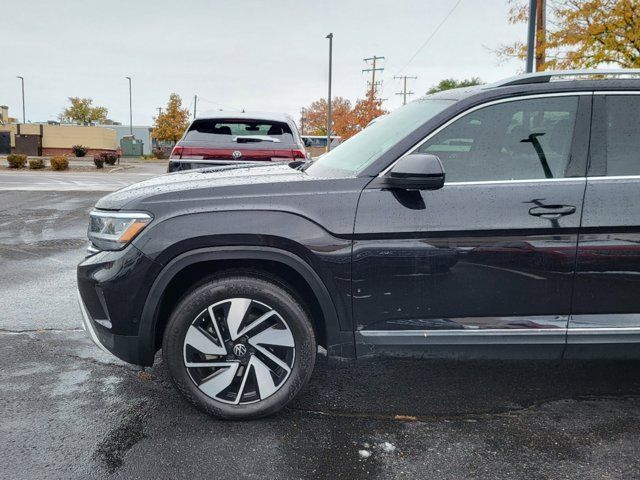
x,y
239,347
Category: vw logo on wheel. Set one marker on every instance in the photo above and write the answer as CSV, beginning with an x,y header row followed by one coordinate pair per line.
x,y
236,154
240,350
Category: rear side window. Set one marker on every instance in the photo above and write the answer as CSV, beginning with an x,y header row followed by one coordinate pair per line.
x,y
516,140
230,131
616,136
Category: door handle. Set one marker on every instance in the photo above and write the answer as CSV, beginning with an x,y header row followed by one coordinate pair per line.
x,y
552,211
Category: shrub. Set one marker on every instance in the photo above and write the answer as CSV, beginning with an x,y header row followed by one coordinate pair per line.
x,y
36,164
99,160
110,158
59,163
17,160
160,154
79,150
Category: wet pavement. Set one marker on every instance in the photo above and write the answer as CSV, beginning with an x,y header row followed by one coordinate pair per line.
x,y
27,180
71,411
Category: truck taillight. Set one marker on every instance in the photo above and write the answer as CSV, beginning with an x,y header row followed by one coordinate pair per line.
x,y
176,153
298,154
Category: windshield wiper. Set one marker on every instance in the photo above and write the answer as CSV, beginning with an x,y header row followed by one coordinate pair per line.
x,y
255,138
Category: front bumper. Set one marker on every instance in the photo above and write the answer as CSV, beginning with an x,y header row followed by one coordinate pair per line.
x,y
87,325
124,347
112,291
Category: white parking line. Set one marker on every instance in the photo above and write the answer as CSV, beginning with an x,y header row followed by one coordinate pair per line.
x,y
30,181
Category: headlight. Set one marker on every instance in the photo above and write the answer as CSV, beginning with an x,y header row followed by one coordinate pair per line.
x,y
114,230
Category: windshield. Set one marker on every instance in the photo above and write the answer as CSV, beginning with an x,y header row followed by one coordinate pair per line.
x,y
358,152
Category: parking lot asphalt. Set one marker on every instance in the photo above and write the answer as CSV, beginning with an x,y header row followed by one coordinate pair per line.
x,y
26,180
71,411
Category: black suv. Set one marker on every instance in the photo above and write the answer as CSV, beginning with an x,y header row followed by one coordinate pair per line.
x,y
502,220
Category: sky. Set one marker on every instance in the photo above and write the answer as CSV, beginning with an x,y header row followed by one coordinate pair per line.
x,y
244,54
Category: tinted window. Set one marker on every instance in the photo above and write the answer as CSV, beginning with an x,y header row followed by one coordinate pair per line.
x,y
621,137
239,131
518,140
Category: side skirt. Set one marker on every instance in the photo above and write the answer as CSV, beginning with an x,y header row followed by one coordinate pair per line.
x,y
542,343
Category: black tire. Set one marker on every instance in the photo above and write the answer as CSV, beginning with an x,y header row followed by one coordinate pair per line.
x,y
261,289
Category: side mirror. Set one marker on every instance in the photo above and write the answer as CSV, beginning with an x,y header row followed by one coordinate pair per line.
x,y
416,171
306,142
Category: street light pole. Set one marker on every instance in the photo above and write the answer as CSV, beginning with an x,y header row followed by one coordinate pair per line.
x,y
24,117
130,109
329,124
303,113
531,35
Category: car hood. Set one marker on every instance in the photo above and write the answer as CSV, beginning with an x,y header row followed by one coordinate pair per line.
x,y
192,181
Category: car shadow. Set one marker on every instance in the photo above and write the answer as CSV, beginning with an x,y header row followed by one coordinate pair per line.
x,y
427,388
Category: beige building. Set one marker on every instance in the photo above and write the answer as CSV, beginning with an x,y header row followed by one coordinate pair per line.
x,y
4,115
45,139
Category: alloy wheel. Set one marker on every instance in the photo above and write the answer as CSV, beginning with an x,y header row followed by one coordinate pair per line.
x,y
239,351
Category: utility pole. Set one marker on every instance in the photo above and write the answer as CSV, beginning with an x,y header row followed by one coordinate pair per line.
x,y
24,117
159,111
404,92
329,124
130,109
531,35
373,71
195,106
541,34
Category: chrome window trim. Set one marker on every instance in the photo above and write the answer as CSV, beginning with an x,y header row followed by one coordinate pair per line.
x,y
615,177
617,92
506,182
478,107
544,180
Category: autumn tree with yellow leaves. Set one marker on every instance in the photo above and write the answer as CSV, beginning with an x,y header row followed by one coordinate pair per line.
x,y
583,34
170,125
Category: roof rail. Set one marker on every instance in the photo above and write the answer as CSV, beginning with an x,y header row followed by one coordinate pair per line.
x,y
546,76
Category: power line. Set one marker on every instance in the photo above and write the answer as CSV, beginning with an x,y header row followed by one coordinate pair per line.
x,y
404,91
373,71
206,100
431,36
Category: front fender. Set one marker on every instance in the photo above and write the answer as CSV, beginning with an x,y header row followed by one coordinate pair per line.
x,y
340,342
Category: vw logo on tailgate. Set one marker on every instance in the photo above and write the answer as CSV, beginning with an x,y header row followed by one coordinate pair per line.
x,y
236,154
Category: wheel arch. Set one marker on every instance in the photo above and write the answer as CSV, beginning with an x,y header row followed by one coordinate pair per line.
x,y
337,342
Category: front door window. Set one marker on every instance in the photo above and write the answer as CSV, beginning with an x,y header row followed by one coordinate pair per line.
x,y
516,140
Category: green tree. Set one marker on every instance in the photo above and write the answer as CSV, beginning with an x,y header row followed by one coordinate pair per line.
x,y
171,124
449,83
83,112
